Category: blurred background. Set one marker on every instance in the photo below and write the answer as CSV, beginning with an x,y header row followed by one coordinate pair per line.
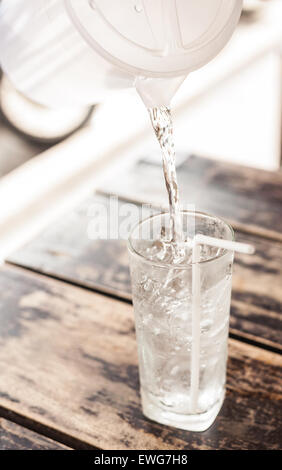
x,y
229,110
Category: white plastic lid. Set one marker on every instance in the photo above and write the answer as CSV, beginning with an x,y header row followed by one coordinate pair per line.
x,y
156,38
73,52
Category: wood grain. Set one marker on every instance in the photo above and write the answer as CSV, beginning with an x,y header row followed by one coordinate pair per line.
x,y
68,360
246,197
64,251
15,437
256,307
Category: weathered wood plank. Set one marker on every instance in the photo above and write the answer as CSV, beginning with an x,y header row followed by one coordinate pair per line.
x,y
256,307
65,251
15,437
68,360
246,197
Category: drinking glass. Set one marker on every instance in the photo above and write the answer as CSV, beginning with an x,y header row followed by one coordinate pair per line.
x,y
177,388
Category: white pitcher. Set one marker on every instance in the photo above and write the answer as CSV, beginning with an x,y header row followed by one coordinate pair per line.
x,y
60,52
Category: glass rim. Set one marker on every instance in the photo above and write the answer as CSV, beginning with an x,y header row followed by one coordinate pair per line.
x,y
160,264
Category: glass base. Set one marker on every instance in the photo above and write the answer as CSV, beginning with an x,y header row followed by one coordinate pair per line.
x,y
196,422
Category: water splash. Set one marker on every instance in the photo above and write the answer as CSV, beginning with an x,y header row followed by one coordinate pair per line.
x,y
162,123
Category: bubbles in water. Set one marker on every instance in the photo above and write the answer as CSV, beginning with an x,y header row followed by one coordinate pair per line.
x,y
174,371
138,8
206,325
148,285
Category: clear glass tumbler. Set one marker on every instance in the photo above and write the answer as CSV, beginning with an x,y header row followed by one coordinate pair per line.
x,y
162,289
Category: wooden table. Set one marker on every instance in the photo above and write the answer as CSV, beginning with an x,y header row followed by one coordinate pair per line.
x,y
69,375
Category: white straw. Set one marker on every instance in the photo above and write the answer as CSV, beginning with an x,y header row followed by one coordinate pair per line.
x,y
196,311
224,244
196,303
